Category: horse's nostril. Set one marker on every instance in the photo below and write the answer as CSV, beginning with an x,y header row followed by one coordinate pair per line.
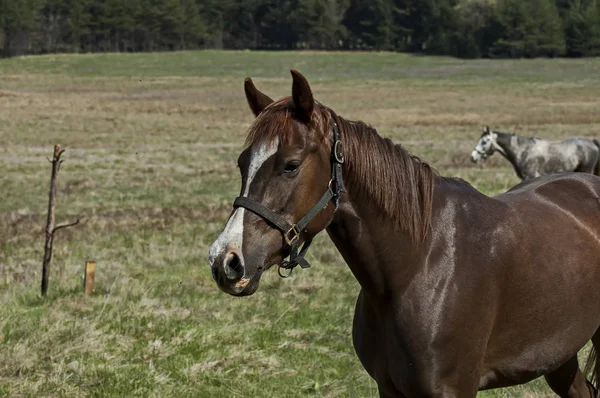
x,y
234,269
235,263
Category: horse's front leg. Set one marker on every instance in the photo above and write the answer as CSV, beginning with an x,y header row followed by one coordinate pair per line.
x,y
449,370
439,366
387,394
457,386
369,345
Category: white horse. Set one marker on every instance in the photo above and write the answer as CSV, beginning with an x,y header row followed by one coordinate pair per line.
x,y
533,157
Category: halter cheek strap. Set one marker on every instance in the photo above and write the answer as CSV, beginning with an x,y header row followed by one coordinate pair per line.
x,y
291,232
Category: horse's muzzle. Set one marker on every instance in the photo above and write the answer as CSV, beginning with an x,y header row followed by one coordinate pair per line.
x,y
228,271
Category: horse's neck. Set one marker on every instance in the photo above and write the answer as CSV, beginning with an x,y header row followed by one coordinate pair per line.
x,y
511,149
370,248
373,229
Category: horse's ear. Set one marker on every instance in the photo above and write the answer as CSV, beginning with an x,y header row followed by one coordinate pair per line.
x,y
486,129
302,95
257,100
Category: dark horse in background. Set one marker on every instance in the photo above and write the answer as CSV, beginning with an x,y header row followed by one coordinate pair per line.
x,y
459,291
534,157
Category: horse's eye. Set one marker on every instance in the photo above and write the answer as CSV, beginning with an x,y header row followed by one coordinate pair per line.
x,y
291,167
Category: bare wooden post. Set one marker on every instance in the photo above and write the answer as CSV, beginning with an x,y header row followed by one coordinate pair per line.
x,y
89,277
50,228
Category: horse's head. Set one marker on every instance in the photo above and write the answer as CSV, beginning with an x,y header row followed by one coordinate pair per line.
x,y
485,146
288,163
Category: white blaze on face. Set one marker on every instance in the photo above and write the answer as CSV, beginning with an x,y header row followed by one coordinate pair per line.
x,y
476,154
233,235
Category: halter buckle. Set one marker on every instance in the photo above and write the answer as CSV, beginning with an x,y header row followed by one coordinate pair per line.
x,y
338,154
289,238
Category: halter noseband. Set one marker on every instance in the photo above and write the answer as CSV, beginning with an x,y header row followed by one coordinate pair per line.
x,y
291,232
483,154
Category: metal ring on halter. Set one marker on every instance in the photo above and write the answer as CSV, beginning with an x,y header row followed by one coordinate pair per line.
x,y
285,265
330,187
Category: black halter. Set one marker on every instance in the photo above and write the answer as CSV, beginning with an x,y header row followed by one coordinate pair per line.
x,y
291,232
484,155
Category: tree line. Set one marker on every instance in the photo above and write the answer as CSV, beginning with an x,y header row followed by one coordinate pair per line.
x,y
463,28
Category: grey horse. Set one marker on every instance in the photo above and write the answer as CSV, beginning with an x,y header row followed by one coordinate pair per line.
x,y
533,157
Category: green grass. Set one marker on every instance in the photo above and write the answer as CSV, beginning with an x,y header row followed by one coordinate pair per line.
x,y
338,66
151,144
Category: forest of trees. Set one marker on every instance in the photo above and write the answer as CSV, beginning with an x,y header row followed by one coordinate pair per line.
x,y
463,28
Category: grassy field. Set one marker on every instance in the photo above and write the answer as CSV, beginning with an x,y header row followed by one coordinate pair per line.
x,y
151,142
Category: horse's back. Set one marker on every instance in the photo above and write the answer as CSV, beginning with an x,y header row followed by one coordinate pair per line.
x,y
572,187
577,140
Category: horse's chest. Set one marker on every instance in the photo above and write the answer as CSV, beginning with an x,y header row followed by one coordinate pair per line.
x,y
386,352
408,345
373,344
378,354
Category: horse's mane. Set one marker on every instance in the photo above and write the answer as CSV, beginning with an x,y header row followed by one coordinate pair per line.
x,y
399,184
376,170
520,138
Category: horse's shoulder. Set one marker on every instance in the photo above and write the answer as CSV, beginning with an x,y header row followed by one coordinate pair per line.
x,y
540,142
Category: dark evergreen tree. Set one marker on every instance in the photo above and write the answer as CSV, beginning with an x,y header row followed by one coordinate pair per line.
x,y
321,23
465,28
19,20
476,29
371,24
582,27
528,29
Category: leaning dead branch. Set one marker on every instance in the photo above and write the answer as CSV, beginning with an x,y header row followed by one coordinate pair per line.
x,y
50,228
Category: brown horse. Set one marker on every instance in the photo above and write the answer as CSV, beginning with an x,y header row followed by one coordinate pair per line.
x,y
460,292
